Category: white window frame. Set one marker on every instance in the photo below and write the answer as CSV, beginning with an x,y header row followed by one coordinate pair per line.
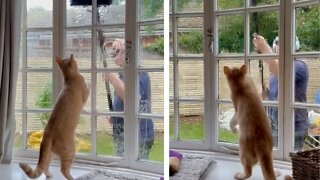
x,y
131,69
210,54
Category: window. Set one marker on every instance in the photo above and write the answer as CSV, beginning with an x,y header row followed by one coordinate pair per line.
x,y
60,28
207,35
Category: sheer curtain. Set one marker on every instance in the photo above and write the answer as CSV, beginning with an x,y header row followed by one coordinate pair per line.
x,y
10,26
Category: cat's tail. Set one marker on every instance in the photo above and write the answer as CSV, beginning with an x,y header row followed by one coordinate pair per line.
x,y
44,159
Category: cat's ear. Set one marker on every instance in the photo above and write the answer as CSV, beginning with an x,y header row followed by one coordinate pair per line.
x,y
243,69
58,60
227,71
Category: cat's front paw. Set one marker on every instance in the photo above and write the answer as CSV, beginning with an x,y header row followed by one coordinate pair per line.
x,y
239,175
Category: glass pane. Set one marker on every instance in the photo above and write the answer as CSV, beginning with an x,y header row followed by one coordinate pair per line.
x,y
225,114
223,4
39,90
83,135
265,78
19,91
36,123
300,117
150,92
266,24
190,35
105,141
171,120
78,43
313,138
191,121
78,14
151,139
171,74
307,28
113,14
17,142
306,79
39,49
151,46
231,34
189,6
224,90
39,13
107,99
191,79
87,78
111,48
150,9
263,2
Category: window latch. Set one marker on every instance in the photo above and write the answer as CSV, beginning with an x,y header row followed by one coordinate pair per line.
x,y
128,48
210,37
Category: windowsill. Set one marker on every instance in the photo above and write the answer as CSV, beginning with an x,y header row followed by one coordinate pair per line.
x,y
228,165
13,170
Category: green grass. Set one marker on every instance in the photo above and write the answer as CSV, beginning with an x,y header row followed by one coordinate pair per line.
x,y
194,130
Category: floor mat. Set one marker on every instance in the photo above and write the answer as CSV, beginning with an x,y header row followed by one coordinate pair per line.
x,y
193,167
113,175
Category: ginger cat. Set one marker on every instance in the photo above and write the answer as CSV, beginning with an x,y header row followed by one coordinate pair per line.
x,y
255,139
58,136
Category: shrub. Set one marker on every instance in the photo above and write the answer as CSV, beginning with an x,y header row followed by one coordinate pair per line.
x,y
156,47
44,100
191,41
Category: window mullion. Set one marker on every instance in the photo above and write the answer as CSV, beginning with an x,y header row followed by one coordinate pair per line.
x,y
24,74
130,70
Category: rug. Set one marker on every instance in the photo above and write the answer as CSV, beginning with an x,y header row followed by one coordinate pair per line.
x,y
113,175
193,167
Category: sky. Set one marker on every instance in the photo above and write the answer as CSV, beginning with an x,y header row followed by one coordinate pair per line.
x,y
46,4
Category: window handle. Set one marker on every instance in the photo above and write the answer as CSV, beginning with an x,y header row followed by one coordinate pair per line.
x,y
210,36
128,46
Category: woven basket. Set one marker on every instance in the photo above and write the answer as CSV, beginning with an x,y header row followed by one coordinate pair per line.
x,y
306,165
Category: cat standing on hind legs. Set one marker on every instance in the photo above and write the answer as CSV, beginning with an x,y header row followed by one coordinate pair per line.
x,y
255,136
58,136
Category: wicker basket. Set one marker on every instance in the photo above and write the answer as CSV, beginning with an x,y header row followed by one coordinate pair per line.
x,y
306,165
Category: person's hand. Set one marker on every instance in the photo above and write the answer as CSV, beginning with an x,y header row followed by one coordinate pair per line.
x,y
260,44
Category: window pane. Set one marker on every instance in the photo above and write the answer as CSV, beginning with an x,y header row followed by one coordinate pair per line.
x,y
39,13
78,43
300,125
150,9
151,46
39,90
113,14
36,123
313,138
189,6
171,120
151,139
225,113
39,49
17,142
224,90
83,135
306,81
191,121
223,4
260,73
263,2
87,78
191,79
110,48
231,34
307,28
78,15
265,24
19,91
105,89
190,36
171,77
150,92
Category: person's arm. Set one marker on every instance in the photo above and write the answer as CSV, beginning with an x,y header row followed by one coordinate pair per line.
x,y
117,84
262,47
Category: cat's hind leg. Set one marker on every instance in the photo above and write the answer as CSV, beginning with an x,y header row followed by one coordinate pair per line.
x,y
47,172
265,160
247,167
248,160
66,163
